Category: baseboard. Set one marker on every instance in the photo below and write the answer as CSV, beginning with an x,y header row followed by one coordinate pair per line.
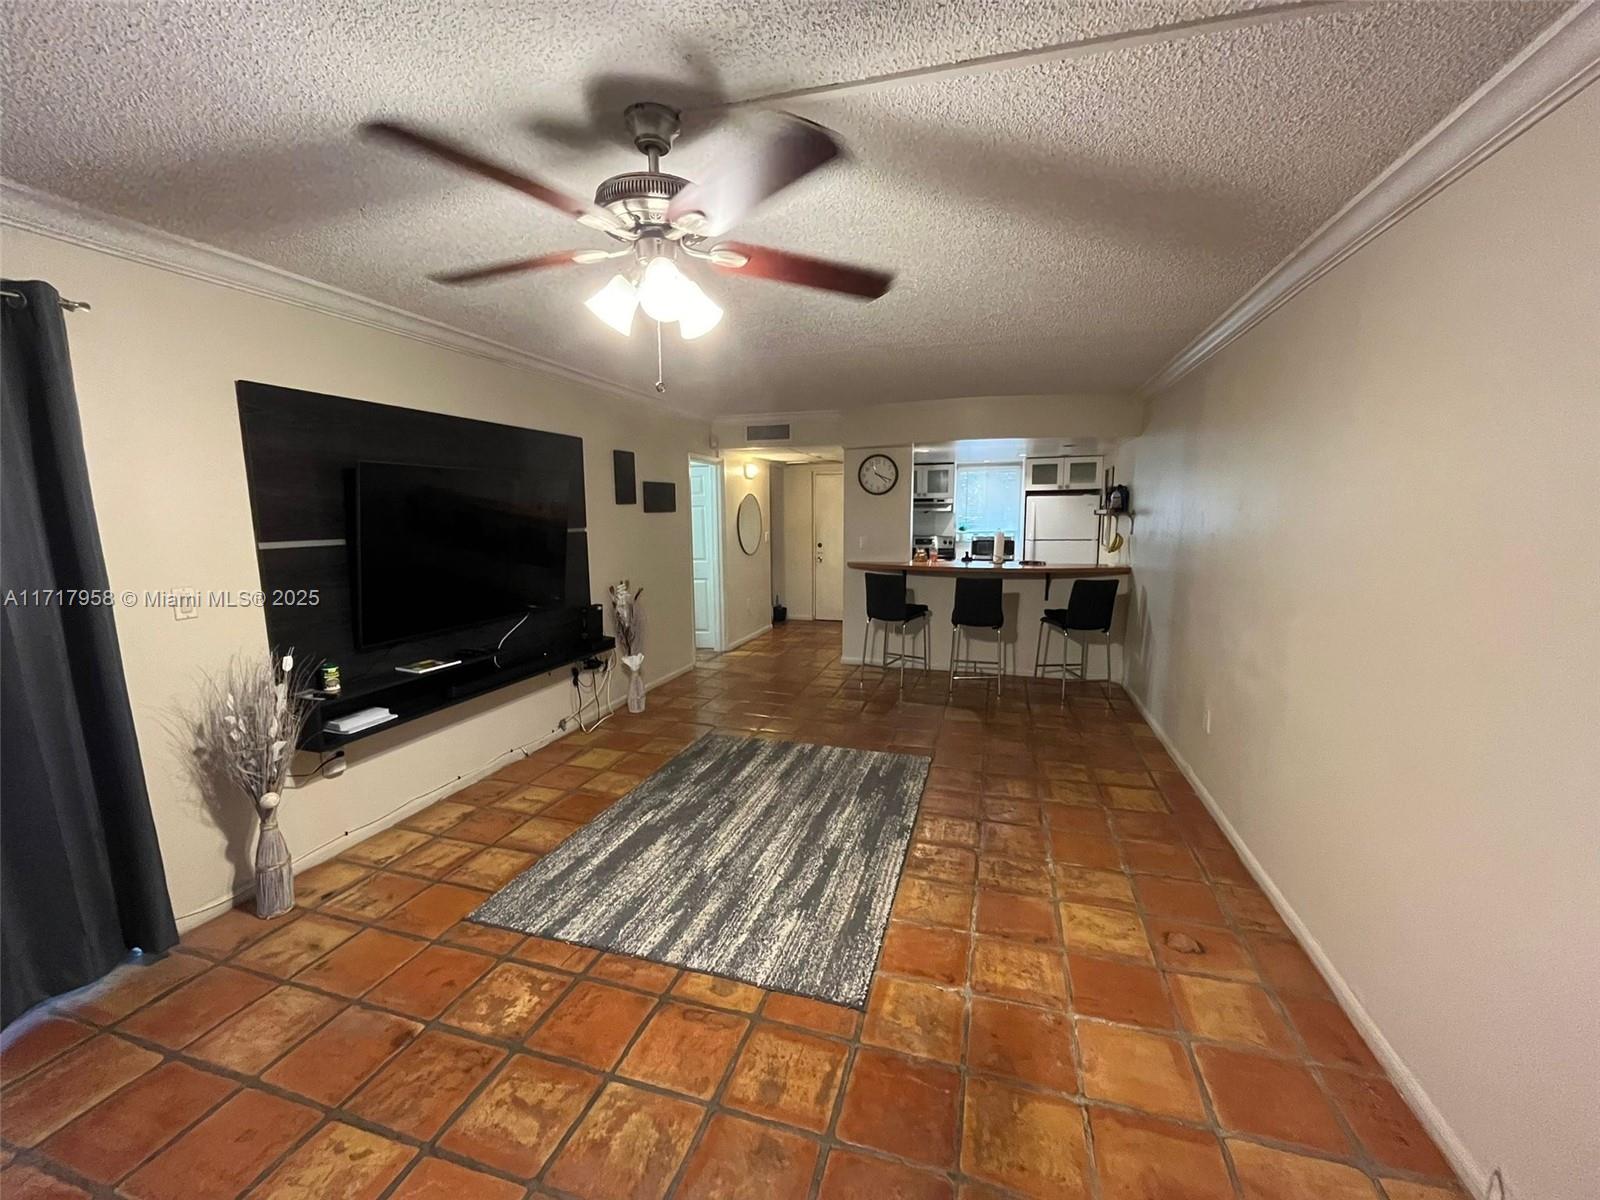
x,y
1466,1166
749,637
334,848
669,677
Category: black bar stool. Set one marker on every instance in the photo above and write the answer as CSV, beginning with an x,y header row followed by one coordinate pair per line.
x,y
978,606
1090,606
886,602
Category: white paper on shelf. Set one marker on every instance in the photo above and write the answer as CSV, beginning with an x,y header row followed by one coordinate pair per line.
x,y
354,722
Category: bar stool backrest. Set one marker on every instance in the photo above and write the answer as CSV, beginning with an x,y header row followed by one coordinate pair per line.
x,y
886,597
1091,604
978,604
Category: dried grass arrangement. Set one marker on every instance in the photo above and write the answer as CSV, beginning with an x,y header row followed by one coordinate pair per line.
x,y
250,719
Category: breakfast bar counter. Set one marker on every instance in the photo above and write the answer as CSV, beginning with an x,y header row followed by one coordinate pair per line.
x,y
1010,570
1059,570
1024,601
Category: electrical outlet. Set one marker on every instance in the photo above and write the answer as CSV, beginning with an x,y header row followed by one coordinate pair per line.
x,y
186,604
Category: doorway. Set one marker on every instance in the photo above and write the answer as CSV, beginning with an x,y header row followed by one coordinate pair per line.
x,y
705,526
811,502
827,535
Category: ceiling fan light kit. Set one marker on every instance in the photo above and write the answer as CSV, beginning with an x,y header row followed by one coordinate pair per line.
x,y
666,295
699,315
665,220
615,304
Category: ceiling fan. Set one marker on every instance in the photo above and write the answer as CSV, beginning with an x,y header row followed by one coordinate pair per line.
x,y
665,220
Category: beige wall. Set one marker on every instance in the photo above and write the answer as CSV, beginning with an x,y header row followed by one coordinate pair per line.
x,y
952,420
875,527
814,429
1369,544
746,578
155,363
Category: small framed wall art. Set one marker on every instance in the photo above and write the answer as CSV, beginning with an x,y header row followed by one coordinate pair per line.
x,y
622,474
660,497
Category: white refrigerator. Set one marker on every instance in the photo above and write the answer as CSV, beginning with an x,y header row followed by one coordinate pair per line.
x,y
1060,529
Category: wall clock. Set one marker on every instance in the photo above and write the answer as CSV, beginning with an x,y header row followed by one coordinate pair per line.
x,y
878,474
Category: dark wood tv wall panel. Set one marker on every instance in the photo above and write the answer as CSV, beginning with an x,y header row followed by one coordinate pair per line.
x,y
301,451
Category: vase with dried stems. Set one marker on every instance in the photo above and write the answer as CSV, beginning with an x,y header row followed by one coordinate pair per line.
x,y
249,723
628,620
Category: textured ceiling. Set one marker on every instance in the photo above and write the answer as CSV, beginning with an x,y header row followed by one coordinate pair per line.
x,y
1059,227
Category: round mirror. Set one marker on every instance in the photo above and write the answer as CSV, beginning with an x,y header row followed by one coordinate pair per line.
x,y
750,524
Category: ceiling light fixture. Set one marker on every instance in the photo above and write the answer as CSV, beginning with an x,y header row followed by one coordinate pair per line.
x,y
699,314
662,289
615,304
665,293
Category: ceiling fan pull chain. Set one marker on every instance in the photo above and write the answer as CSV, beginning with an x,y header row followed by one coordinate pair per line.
x,y
661,383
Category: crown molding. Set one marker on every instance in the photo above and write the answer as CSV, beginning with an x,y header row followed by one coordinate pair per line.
x,y
1550,70
27,208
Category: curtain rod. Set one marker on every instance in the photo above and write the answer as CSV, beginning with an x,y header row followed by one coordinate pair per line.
x,y
17,299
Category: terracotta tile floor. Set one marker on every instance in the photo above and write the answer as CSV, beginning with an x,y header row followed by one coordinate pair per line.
x,y
1081,994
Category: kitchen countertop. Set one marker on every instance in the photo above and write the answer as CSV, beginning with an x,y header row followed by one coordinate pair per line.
x,y
1010,569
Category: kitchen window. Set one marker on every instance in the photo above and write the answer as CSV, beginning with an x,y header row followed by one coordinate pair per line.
x,y
989,500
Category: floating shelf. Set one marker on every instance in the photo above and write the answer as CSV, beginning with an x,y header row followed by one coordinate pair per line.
x,y
414,696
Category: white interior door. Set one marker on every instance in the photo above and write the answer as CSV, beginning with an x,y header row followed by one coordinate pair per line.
x,y
703,530
799,547
827,534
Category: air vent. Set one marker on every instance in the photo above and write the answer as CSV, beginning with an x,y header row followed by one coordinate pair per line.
x,y
766,433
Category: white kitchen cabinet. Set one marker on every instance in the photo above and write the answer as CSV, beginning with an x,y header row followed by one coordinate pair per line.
x,y
1085,472
1064,474
1045,474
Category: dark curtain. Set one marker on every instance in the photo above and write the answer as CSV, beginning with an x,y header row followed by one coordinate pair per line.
x,y
81,880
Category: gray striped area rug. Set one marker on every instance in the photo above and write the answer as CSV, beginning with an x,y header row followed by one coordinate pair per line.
x,y
770,862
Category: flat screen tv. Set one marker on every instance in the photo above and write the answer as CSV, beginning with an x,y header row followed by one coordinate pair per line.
x,y
444,548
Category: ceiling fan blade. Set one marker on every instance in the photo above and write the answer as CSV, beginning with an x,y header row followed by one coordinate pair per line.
x,y
716,205
782,267
561,258
468,160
